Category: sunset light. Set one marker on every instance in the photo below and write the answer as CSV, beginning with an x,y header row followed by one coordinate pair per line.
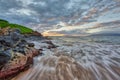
x,y
59,39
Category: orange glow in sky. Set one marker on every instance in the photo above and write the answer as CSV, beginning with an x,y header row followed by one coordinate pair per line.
x,y
51,34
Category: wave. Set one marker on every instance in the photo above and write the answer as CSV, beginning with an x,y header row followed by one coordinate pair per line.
x,y
84,61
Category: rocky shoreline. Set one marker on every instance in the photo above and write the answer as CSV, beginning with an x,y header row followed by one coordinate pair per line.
x,y
16,53
68,61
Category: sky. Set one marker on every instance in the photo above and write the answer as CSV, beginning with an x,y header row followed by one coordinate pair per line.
x,y
64,17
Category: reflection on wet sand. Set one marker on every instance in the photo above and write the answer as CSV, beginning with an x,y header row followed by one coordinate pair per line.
x,y
66,68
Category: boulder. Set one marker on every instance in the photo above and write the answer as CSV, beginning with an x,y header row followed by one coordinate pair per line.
x,y
4,31
16,54
50,44
6,41
31,45
15,35
4,56
15,65
35,33
18,63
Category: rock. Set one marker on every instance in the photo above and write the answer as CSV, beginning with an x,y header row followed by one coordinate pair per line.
x,y
6,41
20,59
15,65
15,54
35,33
31,45
15,36
32,52
34,36
4,56
16,30
18,63
2,42
48,42
21,50
1,47
21,45
23,41
4,31
51,45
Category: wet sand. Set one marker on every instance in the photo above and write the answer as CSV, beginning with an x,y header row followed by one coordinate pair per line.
x,y
77,62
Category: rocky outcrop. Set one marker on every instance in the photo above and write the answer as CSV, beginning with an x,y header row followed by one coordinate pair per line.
x,y
34,34
50,44
4,31
16,54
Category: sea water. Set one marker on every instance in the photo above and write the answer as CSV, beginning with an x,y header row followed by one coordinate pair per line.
x,y
92,39
78,58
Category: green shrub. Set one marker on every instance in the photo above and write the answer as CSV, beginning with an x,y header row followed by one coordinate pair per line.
x,y
23,29
3,24
1,20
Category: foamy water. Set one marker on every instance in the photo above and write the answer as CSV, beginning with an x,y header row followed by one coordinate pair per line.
x,y
76,61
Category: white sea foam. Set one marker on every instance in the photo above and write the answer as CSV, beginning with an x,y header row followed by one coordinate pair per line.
x,y
76,61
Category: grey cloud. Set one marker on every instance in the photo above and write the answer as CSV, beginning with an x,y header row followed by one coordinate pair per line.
x,y
70,32
24,20
110,31
51,12
112,23
5,5
52,8
15,17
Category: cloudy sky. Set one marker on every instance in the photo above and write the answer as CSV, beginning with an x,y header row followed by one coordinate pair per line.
x,y
64,17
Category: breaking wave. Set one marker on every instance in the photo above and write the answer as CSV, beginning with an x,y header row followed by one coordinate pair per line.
x,y
84,61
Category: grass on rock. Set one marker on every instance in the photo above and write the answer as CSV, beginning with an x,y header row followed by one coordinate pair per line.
x,y
23,29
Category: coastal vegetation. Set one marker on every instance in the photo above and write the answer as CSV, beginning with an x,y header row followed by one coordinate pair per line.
x,y
23,29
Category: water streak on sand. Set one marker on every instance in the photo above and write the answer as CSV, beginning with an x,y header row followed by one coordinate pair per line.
x,y
77,62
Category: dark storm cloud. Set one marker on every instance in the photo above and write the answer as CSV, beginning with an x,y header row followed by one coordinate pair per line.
x,y
49,8
44,9
5,5
52,12
20,19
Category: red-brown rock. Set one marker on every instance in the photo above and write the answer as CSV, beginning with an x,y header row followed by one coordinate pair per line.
x,y
19,63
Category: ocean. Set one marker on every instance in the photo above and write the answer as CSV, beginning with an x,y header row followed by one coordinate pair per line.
x,y
90,39
77,58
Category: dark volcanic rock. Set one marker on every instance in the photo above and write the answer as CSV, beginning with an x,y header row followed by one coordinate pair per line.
x,y
15,35
34,36
51,45
15,54
6,41
35,33
4,56
31,45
